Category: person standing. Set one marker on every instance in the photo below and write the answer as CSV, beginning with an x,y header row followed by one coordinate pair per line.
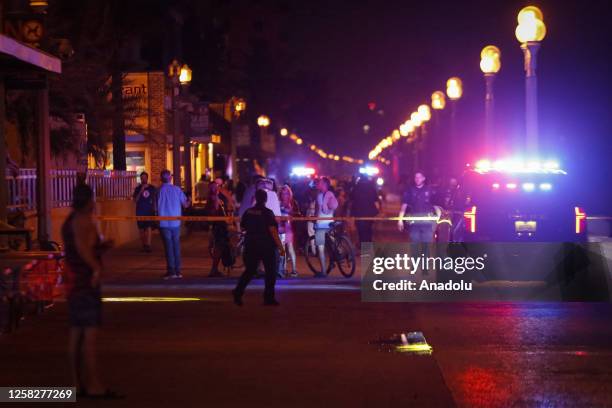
x,y
170,202
261,244
289,208
419,201
326,204
144,197
219,238
364,203
83,249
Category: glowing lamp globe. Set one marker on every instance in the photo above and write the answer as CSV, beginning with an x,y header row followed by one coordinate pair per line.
x,y
424,113
490,59
454,88
531,27
438,100
263,121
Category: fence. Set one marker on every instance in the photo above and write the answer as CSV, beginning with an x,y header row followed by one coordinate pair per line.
x,y
107,185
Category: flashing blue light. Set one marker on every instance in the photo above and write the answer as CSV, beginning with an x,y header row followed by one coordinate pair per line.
x,y
369,170
302,171
545,186
528,186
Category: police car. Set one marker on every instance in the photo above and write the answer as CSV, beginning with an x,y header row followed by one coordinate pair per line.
x,y
513,200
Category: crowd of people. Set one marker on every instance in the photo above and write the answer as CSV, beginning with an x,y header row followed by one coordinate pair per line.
x,y
322,197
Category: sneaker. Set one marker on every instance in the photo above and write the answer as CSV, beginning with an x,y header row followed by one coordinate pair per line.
x,y
294,274
320,275
237,299
178,275
272,302
168,275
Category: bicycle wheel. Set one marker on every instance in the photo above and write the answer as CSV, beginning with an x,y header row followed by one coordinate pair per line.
x,y
345,256
237,245
311,253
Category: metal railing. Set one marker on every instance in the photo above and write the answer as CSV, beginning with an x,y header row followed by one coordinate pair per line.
x,y
107,185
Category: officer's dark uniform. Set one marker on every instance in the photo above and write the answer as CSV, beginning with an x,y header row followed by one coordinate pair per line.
x,y
420,204
259,246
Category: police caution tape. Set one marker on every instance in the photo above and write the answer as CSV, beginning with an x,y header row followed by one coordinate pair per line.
x,y
284,218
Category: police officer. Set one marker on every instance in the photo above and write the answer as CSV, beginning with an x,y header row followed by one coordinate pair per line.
x,y
419,199
261,244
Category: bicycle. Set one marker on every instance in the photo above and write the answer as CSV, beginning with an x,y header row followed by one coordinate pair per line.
x,y
339,250
236,246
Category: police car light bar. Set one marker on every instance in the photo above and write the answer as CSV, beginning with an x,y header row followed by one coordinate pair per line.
x,y
518,166
369,170
302,171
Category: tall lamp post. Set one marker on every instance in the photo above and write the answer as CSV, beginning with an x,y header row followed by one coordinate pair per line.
x,y
263,122
438,103
180,75
415,118
530,31
490,64
238,106
454,91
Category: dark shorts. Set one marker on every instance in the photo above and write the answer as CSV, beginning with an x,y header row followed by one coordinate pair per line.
x,y
85,308
145,224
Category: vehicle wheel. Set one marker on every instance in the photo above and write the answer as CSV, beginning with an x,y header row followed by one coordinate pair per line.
x,y
311,253
345,257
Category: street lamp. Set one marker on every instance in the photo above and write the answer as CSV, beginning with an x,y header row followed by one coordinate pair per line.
x,y
180,75
530,31
438,100
284,132
490,64
263,121
454,91
424,113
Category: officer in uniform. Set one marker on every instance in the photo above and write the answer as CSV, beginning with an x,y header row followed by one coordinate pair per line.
x,y
419,200
260,245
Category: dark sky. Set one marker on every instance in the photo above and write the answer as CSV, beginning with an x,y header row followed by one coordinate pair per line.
x,y
397,52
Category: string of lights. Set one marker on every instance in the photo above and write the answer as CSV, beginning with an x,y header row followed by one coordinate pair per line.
x,y
409,129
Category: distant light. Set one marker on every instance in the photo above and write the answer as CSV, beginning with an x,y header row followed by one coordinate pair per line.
x,y
366,128
380,181
369,170
438,100
284,132
263,121
495,186
301,171
511,186
454,88
545,186
299,141
518,166
185,74
396,134
528,186
415,118
424,113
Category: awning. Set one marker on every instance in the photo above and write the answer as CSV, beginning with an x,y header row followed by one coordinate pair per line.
x,y
14,54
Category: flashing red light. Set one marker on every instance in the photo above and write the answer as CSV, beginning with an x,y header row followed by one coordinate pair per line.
x,y
580,220
470,219
371,105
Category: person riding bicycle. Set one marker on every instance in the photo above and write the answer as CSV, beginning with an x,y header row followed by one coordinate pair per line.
x,y
325,206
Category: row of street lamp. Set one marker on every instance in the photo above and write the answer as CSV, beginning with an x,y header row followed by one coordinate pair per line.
x,y
530,31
